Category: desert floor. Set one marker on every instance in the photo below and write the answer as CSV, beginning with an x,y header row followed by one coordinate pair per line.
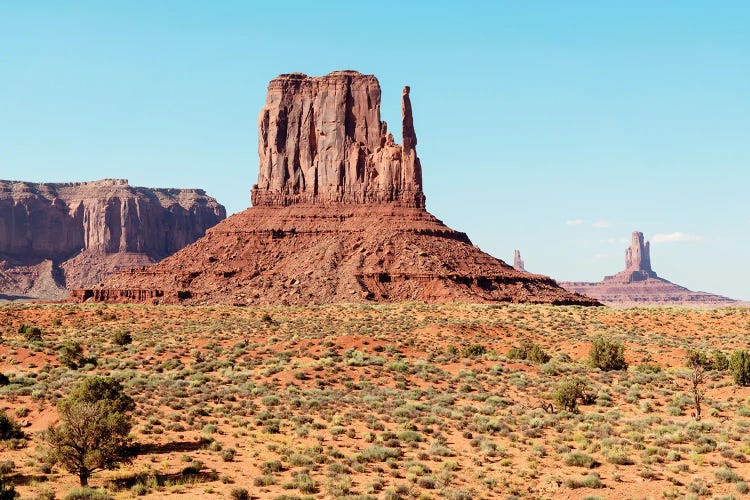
x,y
387,401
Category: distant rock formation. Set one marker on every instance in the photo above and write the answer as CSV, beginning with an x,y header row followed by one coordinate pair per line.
x,y
338,216
518,262
54,236
639,284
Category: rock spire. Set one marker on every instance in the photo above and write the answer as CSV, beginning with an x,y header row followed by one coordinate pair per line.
x,y
518,261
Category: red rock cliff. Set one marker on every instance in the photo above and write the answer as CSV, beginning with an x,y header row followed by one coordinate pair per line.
x,y
88,222
321,141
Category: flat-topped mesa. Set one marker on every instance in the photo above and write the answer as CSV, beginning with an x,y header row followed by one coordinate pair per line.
x,y
321,141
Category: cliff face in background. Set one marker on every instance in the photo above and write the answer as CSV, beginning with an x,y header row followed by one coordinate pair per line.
x,y
321,140
638,284
54,236
338,216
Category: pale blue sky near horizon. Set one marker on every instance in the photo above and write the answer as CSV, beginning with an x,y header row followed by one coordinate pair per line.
x,y
556,128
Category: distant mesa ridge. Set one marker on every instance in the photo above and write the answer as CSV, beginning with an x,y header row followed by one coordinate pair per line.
x,y
639,284
338,215
74,234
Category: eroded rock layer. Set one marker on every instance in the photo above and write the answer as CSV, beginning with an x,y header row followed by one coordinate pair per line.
x,y
338,216
55,236
638,284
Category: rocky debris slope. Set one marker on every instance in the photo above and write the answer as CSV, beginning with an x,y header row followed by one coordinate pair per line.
x,y
639,284
338,216
72,235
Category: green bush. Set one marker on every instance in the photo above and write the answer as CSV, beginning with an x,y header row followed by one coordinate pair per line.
x,y
122,337
716,361
71,355
474,351
4,380
32,333
530,351
239,494
569,392
607,354
579,459
739,366
7,490
9,429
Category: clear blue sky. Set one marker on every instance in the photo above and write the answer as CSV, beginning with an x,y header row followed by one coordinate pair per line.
x,y
553,127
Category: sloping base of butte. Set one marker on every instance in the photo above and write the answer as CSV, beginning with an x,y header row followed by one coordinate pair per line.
x,y
311,255
338,216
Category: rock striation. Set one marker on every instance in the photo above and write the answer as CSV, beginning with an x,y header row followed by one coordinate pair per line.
x,y
54,236
518,262
338,215
638,284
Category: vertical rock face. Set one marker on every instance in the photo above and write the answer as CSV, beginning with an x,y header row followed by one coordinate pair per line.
x,y
321,141
518,262
638,255
86,228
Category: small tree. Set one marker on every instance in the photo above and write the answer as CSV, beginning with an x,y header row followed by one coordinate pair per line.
x,y
739,365
93,434
607,354
697,372
71,355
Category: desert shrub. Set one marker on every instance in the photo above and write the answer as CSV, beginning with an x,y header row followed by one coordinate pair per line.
x,y
579,459
619,457
569,392
271,466
607,354
86,493
530,351
720,361
727,475
590,481
228,454
7,490
4,379
239,494
122,337
9,428
716,361
739,366
71,355
474,351
31,333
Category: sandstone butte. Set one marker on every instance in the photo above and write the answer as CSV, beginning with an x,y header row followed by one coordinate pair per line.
x,y
73,235
338,215
638,284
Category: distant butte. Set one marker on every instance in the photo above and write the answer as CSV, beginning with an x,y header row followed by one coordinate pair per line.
x,y
518,264
338,215
638,284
